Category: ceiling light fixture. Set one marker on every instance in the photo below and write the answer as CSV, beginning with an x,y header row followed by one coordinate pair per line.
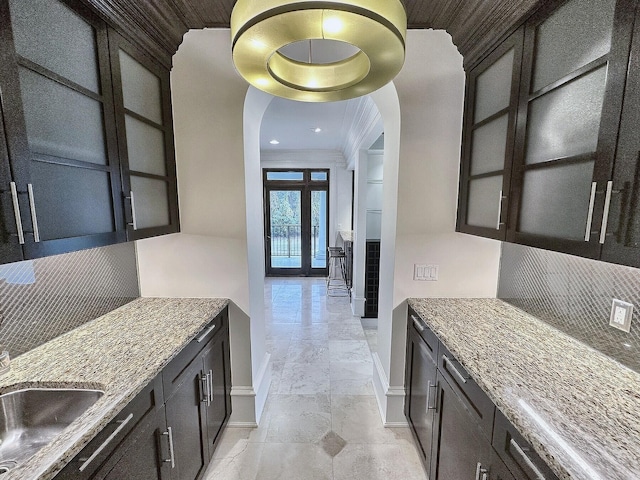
x,y
274,142
260,28
317,129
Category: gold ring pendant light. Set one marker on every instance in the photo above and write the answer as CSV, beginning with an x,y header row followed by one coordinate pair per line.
x,y
260,28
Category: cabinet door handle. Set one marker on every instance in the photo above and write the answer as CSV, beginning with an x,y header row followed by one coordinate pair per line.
x,y
500,200
481,473
605,215
204,335
16,212
123,423
172,458
134,222
592,201
210,375
204,379
525,462
34,217
450,366
431,406
418,324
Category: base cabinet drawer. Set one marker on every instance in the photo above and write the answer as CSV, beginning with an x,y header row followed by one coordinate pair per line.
x,y
111,443
517,454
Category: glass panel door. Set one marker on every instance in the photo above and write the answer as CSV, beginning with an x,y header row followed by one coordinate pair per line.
x,y
285,229
319,214
296,221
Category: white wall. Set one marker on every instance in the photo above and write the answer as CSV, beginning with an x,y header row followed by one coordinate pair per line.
x,y
431,92
209,257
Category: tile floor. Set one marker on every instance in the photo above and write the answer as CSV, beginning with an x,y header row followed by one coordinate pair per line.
x,y
321,420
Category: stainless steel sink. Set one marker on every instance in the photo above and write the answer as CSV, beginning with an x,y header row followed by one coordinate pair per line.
x,y
31,418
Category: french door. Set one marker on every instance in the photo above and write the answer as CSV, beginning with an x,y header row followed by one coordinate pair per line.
x,y
296,221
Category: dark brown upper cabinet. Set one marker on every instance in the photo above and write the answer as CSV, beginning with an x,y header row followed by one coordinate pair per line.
x,y
74,141
489,133
567,138
59,124
145,140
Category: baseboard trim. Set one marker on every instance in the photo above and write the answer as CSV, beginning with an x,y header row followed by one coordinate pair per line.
x,y
396,425
242,425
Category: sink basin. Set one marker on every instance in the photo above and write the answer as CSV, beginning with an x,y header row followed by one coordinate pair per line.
x,y
31,418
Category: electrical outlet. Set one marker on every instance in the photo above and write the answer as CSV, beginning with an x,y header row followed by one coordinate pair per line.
x,y
427,273
621,313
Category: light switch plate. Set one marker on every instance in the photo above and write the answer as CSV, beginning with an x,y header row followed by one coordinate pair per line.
x,y
424,272
621,314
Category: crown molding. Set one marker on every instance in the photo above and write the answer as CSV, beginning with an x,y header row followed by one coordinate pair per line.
x,y
303,157
361,119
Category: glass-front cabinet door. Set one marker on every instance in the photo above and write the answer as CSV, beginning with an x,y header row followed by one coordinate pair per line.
x,y
492,98
65,171
570,100
145,134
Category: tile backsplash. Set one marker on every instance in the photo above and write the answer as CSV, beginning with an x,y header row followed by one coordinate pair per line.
x,y
574,295
44,298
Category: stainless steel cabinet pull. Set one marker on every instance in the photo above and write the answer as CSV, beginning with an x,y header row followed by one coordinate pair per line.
x,y
34,217
481,473
16,212
605,215
210,375
528,464
450,366
134,222
431,406
204,379
592,201
500,200
204,335
172,458
418,324
123,423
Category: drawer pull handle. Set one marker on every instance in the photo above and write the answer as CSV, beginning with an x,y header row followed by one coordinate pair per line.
x,y
521,457
418,324
451,367
123,423
172,458
204,335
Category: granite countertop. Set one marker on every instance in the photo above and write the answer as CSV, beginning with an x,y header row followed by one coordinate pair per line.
x,y
346,235
118,353
578,408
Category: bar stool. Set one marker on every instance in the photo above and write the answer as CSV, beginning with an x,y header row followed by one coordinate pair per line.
x,y
337,279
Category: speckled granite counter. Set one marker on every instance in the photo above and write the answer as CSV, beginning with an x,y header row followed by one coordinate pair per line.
x,y
118,353
578,408
346,235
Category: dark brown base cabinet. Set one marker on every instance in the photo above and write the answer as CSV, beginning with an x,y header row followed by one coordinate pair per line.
x,y
460,435
170,430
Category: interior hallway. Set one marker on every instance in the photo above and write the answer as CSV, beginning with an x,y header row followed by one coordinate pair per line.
x,y
321,420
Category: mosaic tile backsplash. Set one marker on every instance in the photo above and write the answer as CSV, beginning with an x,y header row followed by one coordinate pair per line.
x,y
44,298
574,295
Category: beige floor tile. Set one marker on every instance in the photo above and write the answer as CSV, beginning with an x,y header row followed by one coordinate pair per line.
x,y
378,462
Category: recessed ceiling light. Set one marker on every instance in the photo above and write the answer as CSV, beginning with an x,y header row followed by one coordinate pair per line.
x,y
274,142
317,129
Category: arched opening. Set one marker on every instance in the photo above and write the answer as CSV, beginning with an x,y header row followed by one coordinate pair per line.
x,y
256,104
